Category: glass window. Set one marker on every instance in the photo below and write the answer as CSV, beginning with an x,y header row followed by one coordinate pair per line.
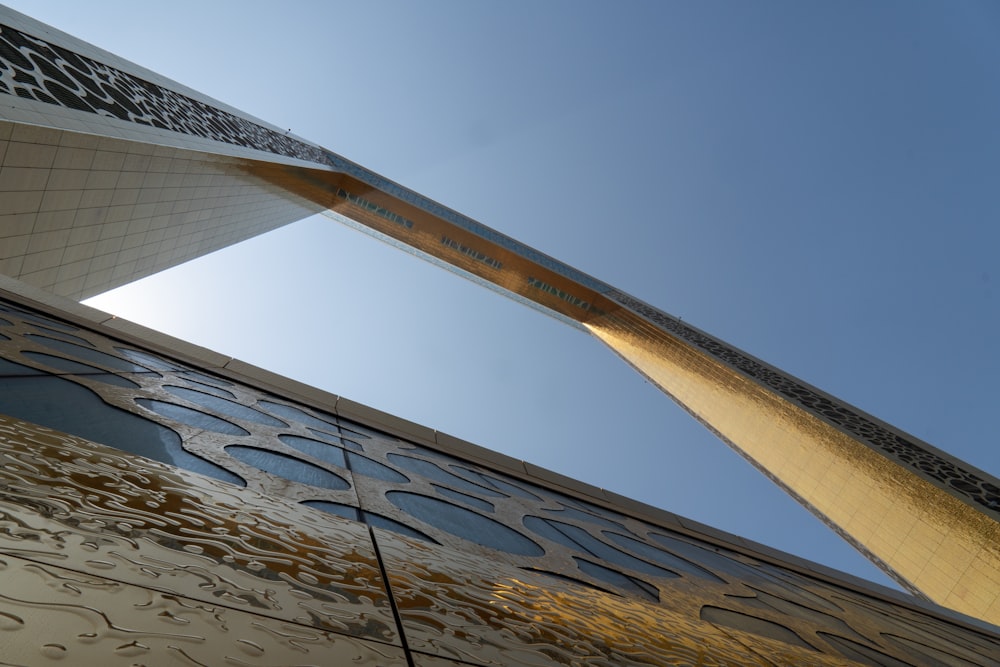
x,y
617,579
294,414
463,498
386,523
208,388
205,379
371,519
9,368
88,354
432,471
605,552
66,406
660,556
224,406
574,513
362,465
46,331
464,523
338,509
288,467
150,360
333,439
757,626
31,317
506,486
76,368
194,418
320,450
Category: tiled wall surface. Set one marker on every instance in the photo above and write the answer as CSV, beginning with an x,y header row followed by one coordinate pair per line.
x,y
81,214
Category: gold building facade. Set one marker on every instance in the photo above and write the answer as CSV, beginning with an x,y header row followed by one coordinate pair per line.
x,y
164,504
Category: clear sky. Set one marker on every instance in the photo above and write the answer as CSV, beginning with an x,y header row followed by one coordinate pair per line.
x,y
816,183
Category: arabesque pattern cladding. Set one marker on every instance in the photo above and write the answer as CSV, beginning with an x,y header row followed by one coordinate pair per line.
x,y
497,554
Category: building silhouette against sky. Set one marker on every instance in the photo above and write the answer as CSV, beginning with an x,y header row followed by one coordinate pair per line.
x,y
271,522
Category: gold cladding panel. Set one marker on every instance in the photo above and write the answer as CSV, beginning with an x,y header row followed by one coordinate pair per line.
x,y
50,615
99,512
457,606
930,539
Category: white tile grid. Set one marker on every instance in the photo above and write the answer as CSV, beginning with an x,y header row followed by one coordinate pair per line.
x,y
70,240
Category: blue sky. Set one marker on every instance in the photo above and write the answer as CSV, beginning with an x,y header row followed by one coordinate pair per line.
x,y
812,182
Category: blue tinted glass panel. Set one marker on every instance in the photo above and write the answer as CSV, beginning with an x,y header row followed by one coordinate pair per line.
x,y
288,467
572,580
224,406
508,487
432,471
207,388
65,406
606,552
358,431
573,513
63,335
88,354
191,417
660,556
757,626
463,498
707,557
338,509
296,415
543,528
25,315
464,523
619,580
362,465
357,435
315,448
380,521
332,439
182,458
205,379
76,368
149,360
10,369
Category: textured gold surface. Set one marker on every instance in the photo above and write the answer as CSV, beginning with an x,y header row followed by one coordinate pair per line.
x,y
458,607
70,503
50,615
105,513
925,535
896,509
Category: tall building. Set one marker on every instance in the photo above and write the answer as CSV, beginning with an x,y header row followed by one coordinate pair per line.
x,y
162,503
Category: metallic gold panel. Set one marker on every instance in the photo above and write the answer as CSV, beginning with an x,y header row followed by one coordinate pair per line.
x,y
922,533
50,615
457,606
98,511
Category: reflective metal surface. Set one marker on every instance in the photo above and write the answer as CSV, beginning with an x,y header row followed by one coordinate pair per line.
x,y
66,502
927,535
566,567
111,554
50,615
931,521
